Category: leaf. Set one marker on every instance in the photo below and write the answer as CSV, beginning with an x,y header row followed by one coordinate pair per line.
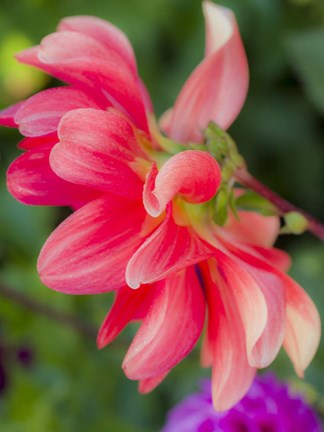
x,y
305,50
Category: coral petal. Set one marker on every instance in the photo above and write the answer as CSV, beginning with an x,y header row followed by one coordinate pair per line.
x,y
7,116
303,327
179,304
170,248
89,251
128,305
97,149
104,32
81,61
253,228
40,114
147,385
217,88
231,375
250,303
31,180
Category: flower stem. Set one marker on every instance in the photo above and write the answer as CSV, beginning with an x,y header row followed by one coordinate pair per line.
x,y
283,206
82,327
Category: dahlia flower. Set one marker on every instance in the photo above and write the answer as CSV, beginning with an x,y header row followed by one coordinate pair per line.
x,y
145,208
269,405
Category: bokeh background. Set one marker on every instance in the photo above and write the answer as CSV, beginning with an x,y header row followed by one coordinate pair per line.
x,y
52,377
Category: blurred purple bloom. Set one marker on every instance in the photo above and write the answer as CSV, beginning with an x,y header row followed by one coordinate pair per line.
x,y
269,406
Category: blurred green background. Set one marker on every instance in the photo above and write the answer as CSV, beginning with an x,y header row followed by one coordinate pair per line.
x,y
65,383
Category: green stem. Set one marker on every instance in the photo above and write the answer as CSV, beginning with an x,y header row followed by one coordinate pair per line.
x,y
82,327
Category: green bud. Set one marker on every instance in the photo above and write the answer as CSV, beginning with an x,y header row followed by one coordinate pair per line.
x,y
295,223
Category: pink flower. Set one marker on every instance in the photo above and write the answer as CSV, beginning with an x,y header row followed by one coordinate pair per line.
x,y
144,220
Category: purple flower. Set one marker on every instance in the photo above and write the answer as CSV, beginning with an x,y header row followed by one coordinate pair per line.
x,y
269,406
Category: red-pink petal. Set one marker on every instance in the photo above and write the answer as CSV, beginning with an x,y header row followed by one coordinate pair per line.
x,y
253,228
251,305
128,305
266,277
217,88
268,345
231,374
32,142
104,32
97,149
7,116
85,63
40,114
194,174
148,384
169,249
303,326
31,180
89,251
170,329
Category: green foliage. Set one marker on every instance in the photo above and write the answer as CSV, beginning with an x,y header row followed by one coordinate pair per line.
x,y
71,386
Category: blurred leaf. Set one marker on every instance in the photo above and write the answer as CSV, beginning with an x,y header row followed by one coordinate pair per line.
x,y
306,52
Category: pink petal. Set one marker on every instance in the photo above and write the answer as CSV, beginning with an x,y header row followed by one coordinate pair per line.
x,y
31,181
128,305
7,116
170,329
253,228
85,63
97,149
40,114
252,307
268,346
231,374
275,257
89,251
194,174
148,384
217,88
303,327
266,277
104,32
169,249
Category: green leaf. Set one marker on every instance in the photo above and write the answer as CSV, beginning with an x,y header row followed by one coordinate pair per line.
x,y
254,202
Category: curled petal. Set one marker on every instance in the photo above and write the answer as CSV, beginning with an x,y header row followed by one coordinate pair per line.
x,y
303,326
169,249
104,32
31,180
217,88
97,149
170,329
40,114
88,252
194,174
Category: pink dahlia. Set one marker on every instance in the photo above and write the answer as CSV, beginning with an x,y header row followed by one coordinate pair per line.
x,y
145,209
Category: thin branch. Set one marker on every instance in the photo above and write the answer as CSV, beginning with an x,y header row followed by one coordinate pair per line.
x,y
284,206
71,321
